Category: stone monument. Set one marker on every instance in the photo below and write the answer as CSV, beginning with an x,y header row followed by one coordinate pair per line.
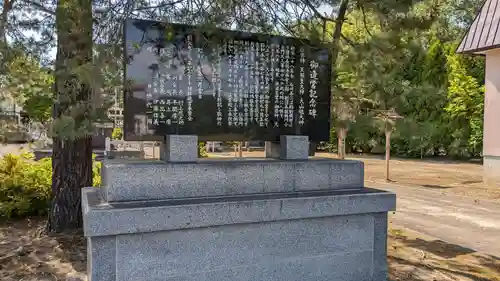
x,y
288,216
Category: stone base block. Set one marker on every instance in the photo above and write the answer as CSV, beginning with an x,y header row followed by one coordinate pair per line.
x,y
297,236
272,150
294,147
289,148
179,148
125,180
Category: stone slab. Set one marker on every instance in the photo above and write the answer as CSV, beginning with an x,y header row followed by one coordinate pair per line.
x,y
224,249
101,258
103,219
125,180
343,266
272,149
380,265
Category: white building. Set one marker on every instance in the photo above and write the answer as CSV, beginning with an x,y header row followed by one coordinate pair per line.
x,y
483,38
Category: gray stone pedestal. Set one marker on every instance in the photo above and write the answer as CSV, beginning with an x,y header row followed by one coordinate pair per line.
x,y
236,220
289,148
179,148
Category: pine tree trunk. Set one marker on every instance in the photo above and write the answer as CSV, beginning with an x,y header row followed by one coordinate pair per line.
x,y
71,170
4,15
388,132
72,155
336,35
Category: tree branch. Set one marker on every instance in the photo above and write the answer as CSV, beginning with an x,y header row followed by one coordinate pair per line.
x,y
364,21
41,7
349,41
316,12
159,6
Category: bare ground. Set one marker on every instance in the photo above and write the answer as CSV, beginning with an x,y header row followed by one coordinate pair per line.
x,y
454,177
413,256
457,178
27,255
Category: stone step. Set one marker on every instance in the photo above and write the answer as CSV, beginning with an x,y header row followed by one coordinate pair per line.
x,y
129,180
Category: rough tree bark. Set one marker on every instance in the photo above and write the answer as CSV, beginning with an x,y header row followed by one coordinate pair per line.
x,y
72,156
4,17
6,8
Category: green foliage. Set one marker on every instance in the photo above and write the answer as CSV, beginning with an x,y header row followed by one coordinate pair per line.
x,y
201,149
26,184
465,103
231,143
386,64
117,133
31,86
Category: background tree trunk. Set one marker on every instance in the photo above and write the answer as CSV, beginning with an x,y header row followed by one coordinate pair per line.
x,y
341,142
337,33
72,155
388,132
4,15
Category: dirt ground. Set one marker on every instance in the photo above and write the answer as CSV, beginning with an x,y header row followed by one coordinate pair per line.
x,y
28,255
413,256
459,178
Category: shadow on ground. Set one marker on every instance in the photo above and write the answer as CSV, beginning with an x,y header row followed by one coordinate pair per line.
x,y
436,186
414,258
26,253
439,248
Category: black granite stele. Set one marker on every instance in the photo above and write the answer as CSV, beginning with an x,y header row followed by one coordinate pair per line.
x,y
155,49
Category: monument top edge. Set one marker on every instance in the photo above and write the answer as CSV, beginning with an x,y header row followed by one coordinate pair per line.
x,y
224,160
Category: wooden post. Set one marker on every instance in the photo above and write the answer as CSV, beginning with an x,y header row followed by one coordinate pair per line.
x,y
341,143
421,149
387,150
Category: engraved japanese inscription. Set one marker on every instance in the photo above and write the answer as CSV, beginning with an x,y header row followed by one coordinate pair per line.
x,y
222,85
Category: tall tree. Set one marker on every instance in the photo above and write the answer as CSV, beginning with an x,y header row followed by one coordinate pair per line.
x,y
31,86
465,106
72,145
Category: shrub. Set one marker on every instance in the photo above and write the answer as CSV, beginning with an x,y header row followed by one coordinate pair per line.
x,y
117,133
201,149
26,185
